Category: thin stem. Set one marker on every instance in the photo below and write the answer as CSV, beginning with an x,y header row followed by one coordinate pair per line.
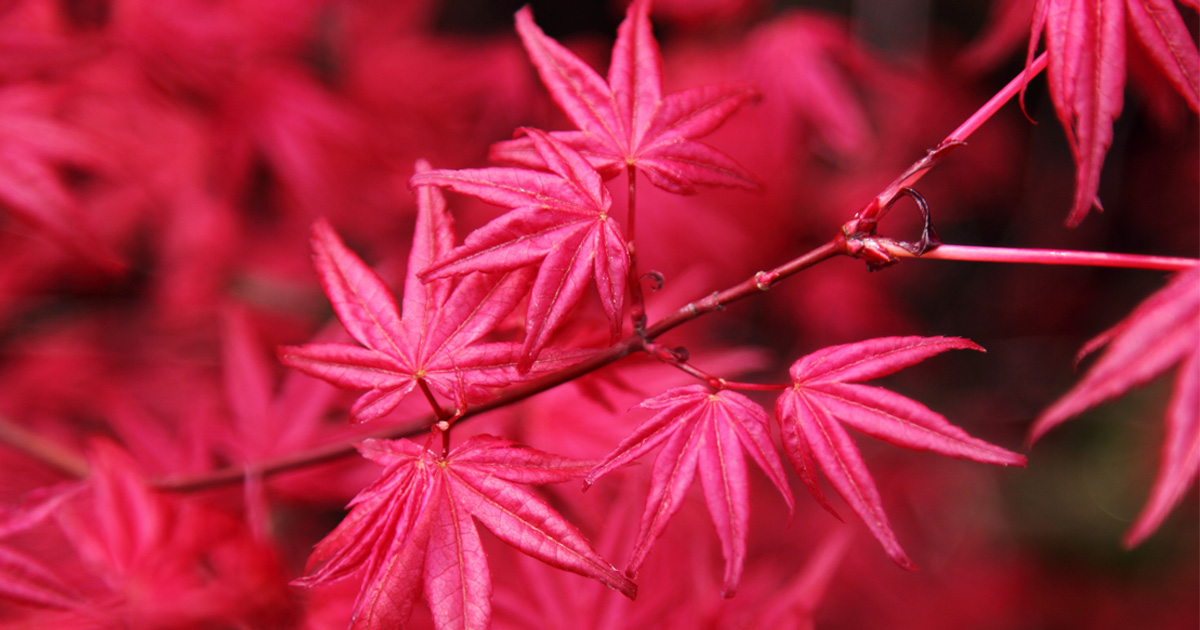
x,y
874,209
1048,257
757,387
718,383
443,417
441,414
994,104
637,303
41,449
760,282
714,382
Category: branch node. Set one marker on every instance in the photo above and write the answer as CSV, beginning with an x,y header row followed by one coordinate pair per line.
x,y
863,242
764,280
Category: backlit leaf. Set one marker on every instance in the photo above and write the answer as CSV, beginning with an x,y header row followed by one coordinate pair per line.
x,y
626,123
704,433
823,398
1161,332
413,531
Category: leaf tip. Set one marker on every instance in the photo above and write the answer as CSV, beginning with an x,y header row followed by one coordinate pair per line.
x,y
1135,536
1040,427
962,343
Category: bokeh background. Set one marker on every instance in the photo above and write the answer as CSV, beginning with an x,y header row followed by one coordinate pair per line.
x,y
160,166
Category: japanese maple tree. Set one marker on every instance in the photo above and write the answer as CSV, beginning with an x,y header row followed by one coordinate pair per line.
x,y
279,349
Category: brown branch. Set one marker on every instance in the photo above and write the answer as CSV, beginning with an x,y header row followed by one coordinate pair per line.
x,y
45,451
634,343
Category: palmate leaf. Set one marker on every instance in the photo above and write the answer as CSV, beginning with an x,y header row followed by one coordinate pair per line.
x,y
704,433
625,122
413,531
1162,331
823,396
559,222
435,341
1086,43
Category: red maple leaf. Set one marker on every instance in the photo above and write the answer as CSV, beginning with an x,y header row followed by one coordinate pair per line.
x,y
559,221
1162,331
1086,43
413,528
626,122
705,432
436,340
824,395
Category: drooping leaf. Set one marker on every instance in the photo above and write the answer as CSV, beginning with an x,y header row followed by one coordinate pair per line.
x,y
1086,44
704,433
413,530
435,341
823,397
559,221
1161,31
1087,82
625,122
1162,331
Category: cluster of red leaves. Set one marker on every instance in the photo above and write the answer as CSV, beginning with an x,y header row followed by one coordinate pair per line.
x,y
1092,47
165,169
1087,41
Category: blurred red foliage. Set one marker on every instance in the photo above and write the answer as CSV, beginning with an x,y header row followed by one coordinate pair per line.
x,y
162,165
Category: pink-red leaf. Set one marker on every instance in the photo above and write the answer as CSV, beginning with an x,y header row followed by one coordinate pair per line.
x,y
459,588
625,122
705,432
559,221
822,398
434,341
412,531
843,465
358,295
1086,43
1180,454
1159,333
1164,330
1166,38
